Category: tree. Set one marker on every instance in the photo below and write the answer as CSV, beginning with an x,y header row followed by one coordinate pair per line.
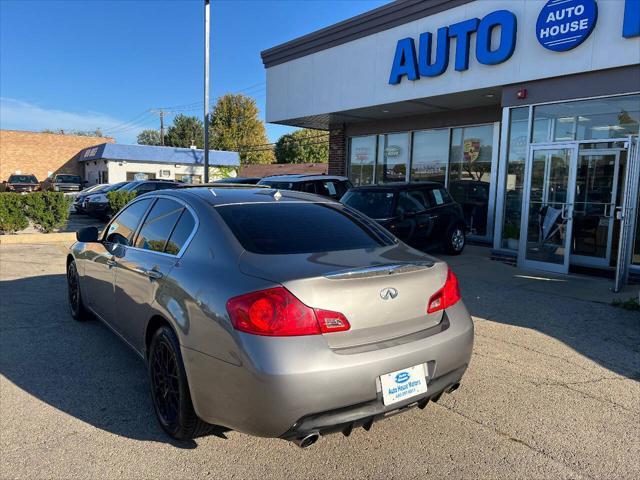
x,y
80,133
149,137
303,146
184,132
235,126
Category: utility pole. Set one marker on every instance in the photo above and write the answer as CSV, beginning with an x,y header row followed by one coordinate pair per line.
x,y
206,90
161,112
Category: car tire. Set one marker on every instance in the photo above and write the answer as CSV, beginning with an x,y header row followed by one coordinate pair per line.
x,y
74,296
170,388
455,240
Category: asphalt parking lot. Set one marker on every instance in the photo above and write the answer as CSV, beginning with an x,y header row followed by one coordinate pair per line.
x,y
552,392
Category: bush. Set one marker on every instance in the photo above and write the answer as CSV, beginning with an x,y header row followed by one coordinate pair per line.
x,y
47,210
118,199
12,215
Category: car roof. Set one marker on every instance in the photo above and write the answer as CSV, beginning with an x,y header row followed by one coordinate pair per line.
x,y
222,194
298,177
401,186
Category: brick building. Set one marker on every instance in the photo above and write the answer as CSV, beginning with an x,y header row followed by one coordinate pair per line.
x,y
42,154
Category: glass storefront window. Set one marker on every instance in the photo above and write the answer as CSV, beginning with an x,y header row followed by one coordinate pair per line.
x,y
393,158
516,158
470,174
430,156
596,119
362,160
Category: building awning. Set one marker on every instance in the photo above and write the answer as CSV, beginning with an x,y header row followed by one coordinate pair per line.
x,y
153,154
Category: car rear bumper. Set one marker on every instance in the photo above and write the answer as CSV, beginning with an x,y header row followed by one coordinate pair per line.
x,y
97,208
287,386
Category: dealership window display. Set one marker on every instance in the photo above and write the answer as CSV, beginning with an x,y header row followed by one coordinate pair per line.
x,y
470,167
393,158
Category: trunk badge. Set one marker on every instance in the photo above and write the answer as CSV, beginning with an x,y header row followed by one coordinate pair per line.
x,y
388,293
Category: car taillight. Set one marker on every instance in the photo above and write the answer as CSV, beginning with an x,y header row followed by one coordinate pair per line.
x,y
277,312
447,296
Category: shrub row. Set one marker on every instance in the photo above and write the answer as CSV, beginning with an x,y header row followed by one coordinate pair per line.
x,y
118,199
47,210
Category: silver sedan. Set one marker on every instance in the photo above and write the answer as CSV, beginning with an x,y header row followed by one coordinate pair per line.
x,y
274,313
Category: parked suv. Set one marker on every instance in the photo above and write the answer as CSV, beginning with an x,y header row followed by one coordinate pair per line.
x,y
63,182
323,185
98,205
422,215
22,183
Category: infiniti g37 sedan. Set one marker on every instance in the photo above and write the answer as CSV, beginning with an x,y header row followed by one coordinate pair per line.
x,y
274,313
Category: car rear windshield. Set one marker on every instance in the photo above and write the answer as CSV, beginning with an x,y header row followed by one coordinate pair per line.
x,y
22,179
68,179
372,204
289,228
277,184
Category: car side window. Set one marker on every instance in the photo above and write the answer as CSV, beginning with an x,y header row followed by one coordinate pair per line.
x,y
144,188
408,203
123,227
163,185
180,233
308,187
158,225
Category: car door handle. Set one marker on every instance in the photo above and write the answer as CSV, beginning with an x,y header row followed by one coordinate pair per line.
x,y
153,274
111,263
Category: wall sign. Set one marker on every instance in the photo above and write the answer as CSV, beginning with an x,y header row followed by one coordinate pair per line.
x,y
406,62
564,24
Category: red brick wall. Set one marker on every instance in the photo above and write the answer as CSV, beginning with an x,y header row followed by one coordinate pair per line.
x,y
40,153
337,152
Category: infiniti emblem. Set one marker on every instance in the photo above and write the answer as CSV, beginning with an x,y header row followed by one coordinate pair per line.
x,y
388,293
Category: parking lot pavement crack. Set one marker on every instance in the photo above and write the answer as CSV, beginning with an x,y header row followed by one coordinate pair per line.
x,y
519,441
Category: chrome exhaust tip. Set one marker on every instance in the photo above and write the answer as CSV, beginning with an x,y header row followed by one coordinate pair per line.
x,y
307,440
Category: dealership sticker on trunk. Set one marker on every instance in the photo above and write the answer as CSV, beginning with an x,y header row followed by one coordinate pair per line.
x,y
403,384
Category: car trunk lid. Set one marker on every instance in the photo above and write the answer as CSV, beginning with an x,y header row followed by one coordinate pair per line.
x,y
384,293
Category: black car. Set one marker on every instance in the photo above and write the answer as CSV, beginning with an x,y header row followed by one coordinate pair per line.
x,y
423,215
323,185
239,180
98,205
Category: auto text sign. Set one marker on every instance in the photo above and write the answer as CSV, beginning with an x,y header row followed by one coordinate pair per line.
x,y
564,24
403,384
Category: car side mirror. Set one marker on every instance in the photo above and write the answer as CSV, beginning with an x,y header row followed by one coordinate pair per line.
x,y
87,235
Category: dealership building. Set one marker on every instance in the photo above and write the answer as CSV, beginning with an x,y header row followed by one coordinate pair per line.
x,y
527,110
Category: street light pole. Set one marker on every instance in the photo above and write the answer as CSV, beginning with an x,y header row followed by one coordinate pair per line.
x,y
206,90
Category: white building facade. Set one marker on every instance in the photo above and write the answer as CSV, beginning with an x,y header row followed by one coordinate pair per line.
x,y
527,110
113,163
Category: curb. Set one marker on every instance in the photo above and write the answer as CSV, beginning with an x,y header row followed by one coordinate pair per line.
x,y
36,238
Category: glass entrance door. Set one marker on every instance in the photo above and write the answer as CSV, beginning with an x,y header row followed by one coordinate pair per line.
x,y
597,194
547,216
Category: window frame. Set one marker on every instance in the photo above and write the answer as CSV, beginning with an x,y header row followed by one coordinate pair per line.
x,y
154,199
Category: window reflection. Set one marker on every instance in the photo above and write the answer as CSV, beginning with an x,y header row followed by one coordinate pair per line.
x,y
430,156
393,158
470,174
362,158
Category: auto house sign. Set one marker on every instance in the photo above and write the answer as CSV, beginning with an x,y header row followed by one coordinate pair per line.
x,y
561,26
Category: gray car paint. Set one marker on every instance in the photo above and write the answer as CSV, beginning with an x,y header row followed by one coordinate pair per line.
x,y
263,385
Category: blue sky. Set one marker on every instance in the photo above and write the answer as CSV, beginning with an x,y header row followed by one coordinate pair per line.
x,y
88,64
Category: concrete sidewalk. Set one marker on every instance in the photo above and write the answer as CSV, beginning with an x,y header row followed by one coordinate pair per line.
x,y
475,264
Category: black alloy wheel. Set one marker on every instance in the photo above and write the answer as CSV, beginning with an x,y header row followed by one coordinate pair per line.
x,y
74,297
170,388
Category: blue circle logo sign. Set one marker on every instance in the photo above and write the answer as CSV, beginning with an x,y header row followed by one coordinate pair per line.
x,y
564,24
